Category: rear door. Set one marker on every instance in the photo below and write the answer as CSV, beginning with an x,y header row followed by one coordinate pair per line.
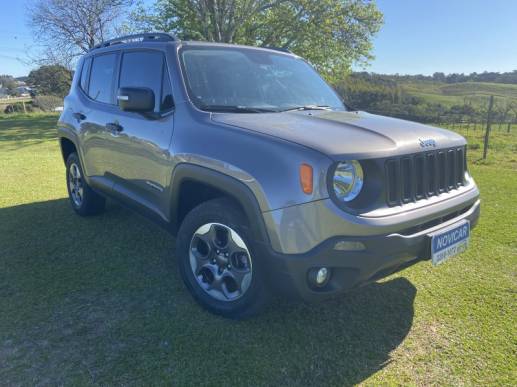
x,y
140,159
98,108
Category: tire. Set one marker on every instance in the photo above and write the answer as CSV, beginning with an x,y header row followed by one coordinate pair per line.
x,y
232,283
83,199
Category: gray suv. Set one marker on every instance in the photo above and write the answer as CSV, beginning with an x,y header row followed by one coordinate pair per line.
x,y
270,183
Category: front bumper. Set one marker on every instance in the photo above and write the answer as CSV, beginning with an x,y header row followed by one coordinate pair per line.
x,y
383,255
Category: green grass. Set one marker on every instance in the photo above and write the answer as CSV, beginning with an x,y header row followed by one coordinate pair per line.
x,y
100,301
476,93
481,88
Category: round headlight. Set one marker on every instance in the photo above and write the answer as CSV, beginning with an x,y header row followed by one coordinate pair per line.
x,y
348,180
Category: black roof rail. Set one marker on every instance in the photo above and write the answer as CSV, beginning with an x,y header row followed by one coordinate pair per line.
x,y
281,49
143,37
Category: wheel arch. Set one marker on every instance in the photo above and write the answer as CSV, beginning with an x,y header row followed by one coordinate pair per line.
x,y
67,147
212,184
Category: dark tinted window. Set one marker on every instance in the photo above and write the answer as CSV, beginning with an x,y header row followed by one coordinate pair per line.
x,y
167,102
143,69
85,72
101,78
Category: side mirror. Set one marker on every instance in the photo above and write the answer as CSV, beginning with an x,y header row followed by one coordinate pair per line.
x,y
136,99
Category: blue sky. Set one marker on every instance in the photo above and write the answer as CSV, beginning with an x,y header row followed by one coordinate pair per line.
x,y
424,36
418,36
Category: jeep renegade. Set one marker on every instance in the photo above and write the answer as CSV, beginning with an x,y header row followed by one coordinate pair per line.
x,y
269,182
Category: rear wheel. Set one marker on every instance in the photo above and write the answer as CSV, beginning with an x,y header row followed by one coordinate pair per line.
x,y
83,199
217,261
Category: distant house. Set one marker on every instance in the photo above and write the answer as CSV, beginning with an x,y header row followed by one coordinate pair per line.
x,y
3,92
23,91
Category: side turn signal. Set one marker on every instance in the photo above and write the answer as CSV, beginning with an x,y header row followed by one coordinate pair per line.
x,y
306,178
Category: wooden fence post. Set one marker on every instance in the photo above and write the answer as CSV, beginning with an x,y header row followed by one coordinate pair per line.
x,y
488,123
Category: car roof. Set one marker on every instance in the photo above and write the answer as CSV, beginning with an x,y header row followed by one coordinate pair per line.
x,y
159,39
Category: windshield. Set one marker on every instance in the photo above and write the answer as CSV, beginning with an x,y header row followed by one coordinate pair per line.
x,y
250,80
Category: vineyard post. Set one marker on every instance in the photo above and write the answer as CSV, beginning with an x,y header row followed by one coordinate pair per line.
x,y
488,123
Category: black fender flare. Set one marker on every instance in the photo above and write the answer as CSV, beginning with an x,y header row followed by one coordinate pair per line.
x,y
228,185
70,139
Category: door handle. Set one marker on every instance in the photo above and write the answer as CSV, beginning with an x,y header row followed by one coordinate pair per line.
x,y
79,116
114,128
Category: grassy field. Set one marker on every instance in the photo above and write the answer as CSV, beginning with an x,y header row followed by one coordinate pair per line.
x,y
100,301
456,93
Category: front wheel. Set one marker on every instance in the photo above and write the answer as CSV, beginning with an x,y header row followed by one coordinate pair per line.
x,y
217,261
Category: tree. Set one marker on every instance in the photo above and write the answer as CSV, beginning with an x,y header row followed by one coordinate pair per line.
x,y
51,80
439,77
8,82
68,28
331,34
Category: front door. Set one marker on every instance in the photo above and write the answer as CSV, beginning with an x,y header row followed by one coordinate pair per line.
x,y
140,159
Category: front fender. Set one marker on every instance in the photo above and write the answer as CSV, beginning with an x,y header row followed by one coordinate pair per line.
x,y
230,186
267,165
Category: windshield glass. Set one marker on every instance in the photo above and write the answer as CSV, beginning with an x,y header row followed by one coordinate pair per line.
x,y
250,80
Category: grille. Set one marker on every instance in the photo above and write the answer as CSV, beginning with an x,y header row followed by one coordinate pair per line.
x,y
417,177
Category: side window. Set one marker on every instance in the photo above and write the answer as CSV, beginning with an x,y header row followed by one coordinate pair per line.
x,y
143,69
166,103
101,78
85,72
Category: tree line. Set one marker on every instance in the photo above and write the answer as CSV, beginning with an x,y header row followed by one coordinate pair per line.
x,y
486,76
331,34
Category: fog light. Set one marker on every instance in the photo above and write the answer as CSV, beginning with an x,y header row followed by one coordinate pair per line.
x,y
319,276
322,275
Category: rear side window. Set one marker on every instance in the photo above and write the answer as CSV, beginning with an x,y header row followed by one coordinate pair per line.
x,y
85,72
145,69
101,78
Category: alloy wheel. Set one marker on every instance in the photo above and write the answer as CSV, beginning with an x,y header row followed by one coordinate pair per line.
x,y
220,261
75,183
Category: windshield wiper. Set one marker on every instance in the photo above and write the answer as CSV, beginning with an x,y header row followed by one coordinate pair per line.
x,y
236,109
308,107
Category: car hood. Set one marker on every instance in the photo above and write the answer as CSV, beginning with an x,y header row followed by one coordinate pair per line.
x,y
339,134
